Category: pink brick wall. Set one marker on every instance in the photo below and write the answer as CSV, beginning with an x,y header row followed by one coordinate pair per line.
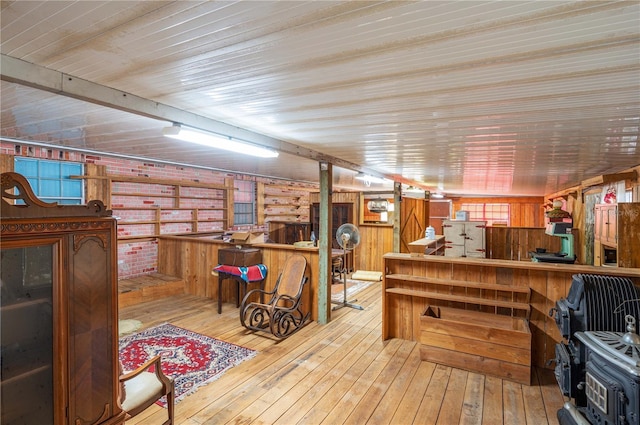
x,y
141,258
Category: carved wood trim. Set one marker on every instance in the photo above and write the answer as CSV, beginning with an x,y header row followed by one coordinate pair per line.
x,y
102,418
34,207
78,240
7,229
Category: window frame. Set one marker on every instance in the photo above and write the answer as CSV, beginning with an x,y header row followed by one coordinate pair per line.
x,y
478,211
68,191
241,202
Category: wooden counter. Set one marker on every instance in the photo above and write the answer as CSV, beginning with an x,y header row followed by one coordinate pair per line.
x,y
193,258
409,281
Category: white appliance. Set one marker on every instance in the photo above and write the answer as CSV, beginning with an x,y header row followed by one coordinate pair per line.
x,y
464,238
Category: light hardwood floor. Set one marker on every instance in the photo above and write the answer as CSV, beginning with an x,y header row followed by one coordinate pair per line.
x,y
340,373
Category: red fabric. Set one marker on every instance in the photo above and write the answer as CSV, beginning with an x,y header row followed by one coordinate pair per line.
x,y
248,273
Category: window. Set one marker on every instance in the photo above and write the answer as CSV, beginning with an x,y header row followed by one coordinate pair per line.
x,y
244,199
493,214
51,180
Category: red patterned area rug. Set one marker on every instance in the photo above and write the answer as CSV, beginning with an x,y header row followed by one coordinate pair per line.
x,y
191,359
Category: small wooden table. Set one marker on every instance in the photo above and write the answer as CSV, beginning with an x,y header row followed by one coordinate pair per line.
x,y
242,266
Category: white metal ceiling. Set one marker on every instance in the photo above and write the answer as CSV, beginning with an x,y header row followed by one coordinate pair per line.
x,y
465,97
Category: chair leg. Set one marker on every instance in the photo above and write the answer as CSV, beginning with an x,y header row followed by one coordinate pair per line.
x,y
170,407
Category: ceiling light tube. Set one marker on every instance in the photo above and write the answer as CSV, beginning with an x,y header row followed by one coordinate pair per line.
x,y
370,179
217,141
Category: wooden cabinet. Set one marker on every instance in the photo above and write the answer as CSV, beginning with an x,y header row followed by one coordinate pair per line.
x,y
289,232
606,224
464,238
617,234
341,213
59,343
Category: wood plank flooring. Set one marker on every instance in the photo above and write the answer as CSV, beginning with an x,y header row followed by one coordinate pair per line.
x,y
340,373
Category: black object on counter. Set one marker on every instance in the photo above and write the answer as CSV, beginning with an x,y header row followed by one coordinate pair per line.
x,y
551,257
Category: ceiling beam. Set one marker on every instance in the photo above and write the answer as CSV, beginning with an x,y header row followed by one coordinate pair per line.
x,y
609,178
25,73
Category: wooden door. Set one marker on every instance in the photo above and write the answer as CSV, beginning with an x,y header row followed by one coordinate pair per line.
x,y
414,219
93,349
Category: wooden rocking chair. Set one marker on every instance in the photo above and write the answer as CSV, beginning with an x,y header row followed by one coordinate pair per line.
x,y
281,314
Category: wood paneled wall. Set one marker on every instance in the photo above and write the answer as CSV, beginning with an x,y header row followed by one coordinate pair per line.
x,y
515,243
375,241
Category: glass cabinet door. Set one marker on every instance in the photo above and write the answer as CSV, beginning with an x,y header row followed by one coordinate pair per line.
x,y
26,321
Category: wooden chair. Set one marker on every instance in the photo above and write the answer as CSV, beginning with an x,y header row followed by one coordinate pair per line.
x,y
141,388
281,314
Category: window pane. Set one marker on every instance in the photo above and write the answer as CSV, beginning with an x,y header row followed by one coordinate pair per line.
x,y
26,167
70,169
244,202
49,169
491,213
71,188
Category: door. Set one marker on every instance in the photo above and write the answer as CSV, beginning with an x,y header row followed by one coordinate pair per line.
x,y
612,225
474,239
453,238
28,309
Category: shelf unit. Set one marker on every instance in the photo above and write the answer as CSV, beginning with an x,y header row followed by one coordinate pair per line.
x,y
499,298
481,326
426,246
282,203
148,207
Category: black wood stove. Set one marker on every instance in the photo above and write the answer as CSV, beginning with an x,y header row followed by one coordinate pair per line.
x,y
597,365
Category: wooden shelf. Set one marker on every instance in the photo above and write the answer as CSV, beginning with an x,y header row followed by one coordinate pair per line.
x,y
154,181
166,209
217,205
426,246
460,283
273,195
460,298
145,195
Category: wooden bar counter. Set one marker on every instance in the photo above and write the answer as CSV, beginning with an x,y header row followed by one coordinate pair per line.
x,y
517,289
192,258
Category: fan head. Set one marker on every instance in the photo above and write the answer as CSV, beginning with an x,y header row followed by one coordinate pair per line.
x,y
348,236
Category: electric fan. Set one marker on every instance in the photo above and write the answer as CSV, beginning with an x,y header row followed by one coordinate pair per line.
x,y
348,237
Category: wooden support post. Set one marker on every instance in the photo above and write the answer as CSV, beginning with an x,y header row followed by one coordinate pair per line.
x,y
325,239
397,213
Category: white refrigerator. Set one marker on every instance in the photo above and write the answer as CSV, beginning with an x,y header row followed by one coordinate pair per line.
x,y
464,238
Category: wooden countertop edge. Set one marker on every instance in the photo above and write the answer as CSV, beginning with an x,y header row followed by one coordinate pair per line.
x,y
571,268
227,244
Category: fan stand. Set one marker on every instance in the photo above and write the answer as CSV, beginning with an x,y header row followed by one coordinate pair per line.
x,y
344,270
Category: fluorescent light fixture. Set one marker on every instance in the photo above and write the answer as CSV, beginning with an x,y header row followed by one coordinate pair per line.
x,y
217,141
369,179
437,195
